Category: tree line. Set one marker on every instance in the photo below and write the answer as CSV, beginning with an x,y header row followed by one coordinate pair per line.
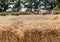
x,y
32,5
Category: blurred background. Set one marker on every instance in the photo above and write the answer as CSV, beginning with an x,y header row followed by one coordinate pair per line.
x,y
29,5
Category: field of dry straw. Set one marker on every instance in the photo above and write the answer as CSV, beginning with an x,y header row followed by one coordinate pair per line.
x,y
30,31
30,13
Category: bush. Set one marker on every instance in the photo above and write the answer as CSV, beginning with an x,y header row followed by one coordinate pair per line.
x,y
56,8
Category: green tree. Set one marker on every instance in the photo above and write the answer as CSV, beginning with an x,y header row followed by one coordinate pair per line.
x,y
56,8
54,3
32,4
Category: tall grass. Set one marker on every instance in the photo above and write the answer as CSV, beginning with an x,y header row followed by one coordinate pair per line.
x,y
32,31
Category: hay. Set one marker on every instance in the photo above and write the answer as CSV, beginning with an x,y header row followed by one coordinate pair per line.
x,y
31,31
3,13
20,13
54,17
30,13
45,12
14,13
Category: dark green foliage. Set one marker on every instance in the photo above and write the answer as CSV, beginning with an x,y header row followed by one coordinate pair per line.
x,y
33,4
56,8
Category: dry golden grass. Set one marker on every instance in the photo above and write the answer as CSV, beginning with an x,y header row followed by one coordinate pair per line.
x,y
30,31
20,13
3,13
15,13
54,17
30,13
36,13
45,12
55,12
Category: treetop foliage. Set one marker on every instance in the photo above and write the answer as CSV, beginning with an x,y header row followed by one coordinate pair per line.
x,y
30,5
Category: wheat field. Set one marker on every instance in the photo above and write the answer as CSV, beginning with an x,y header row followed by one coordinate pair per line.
x,y
30,28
